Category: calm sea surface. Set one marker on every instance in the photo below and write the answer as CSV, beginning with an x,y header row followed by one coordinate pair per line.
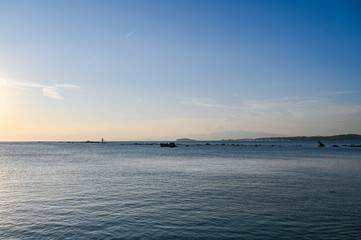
x,y
128,191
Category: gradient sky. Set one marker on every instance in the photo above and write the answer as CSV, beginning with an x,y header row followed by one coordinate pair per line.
x,y
139,70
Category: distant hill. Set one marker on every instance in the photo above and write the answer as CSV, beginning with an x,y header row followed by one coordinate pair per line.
x,y
186,140
342,137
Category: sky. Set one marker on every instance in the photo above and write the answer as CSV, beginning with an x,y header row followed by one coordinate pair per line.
x,y
162,70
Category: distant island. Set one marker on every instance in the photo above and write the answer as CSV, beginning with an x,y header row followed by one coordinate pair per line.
x,y
186,140
341,137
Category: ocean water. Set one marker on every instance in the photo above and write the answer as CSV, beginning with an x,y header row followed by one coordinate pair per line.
x,y
291,190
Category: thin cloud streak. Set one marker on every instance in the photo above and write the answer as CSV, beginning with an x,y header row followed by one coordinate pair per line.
x,y
51,91
67,86
341,92
207,103
253,105
131,33
292,115
19,84
346,92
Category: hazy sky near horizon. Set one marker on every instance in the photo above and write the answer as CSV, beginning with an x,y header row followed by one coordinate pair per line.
x,y
131,70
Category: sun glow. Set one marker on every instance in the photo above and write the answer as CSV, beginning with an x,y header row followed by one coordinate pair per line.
x,y
3,98
8,119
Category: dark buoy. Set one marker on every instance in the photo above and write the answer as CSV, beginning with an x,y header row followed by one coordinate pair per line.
x,y
320,144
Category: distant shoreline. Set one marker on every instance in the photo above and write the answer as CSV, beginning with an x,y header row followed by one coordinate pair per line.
x,y
341,137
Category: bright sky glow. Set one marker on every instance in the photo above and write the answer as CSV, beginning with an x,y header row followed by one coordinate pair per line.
x,y
154,70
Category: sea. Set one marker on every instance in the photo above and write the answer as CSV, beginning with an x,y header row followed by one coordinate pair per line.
x,y
197,190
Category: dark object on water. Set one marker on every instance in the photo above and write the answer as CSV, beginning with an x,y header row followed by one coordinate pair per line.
x,y
334,145
320,144
207,144
171,145
352,145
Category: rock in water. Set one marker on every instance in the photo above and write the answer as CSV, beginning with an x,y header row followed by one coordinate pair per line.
x,y
171,145
320,144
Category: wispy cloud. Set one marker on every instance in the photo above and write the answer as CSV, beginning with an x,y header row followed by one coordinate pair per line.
x,y
53,90
67,86
130,33
341,92
291,115
209,103
347,92
255,105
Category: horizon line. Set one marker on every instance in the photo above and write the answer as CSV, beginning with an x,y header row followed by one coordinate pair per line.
x,y
168,140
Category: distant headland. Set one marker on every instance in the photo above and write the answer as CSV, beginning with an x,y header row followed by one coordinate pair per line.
x,y
186,140
341,137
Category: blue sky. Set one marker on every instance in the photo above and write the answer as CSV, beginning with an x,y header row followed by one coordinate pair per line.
x,y
168,69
